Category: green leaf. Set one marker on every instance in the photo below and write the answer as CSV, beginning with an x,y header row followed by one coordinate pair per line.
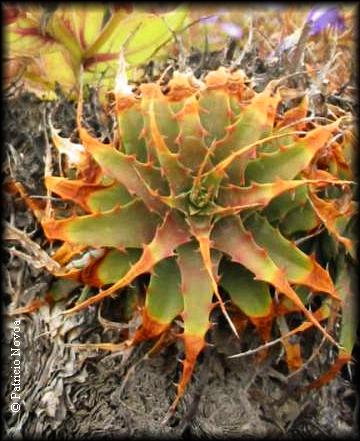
x,y
130,226
153,31
299,268
251,296
74,35
291,160
163,298
84,23
215,113
125,169
164,110
176,174
192,148
230,236
254,123
172,233
281,205
261,194
302,218
107,198
345,284
131,124
196,289
111,267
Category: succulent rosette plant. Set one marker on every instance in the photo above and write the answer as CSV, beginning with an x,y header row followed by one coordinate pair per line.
x,y
209,187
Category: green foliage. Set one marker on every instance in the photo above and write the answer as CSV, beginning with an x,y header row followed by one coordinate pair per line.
x,y
53,47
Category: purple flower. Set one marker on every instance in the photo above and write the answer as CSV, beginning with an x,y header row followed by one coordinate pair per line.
x,y
210,20
232,30
321,17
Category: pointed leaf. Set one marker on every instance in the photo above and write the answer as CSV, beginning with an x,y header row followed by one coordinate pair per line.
x,y
131,126
301,218
299,268
214,102
201,231
196,288
251,296
261,194
335,219
230,237
172,233
130,226
163,300
175,173
120,167
282,204
91,197
290,161
255,122
259,113
192,147
197,291
110,268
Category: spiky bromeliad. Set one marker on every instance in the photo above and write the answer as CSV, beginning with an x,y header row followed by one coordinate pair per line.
x,y
200,189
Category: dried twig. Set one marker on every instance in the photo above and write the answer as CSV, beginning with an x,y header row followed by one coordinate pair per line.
x,y
247,46
294,331
179,43
298,54
315,353
266,39
320,78
303,239
38,258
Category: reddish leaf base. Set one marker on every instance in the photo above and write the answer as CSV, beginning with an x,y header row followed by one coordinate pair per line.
x,y
150,328
331,373
293,355
263,326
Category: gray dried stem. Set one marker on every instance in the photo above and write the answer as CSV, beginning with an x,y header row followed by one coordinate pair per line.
x,y
37,257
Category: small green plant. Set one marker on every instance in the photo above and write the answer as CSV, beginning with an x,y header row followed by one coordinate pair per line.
x,y
210,189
